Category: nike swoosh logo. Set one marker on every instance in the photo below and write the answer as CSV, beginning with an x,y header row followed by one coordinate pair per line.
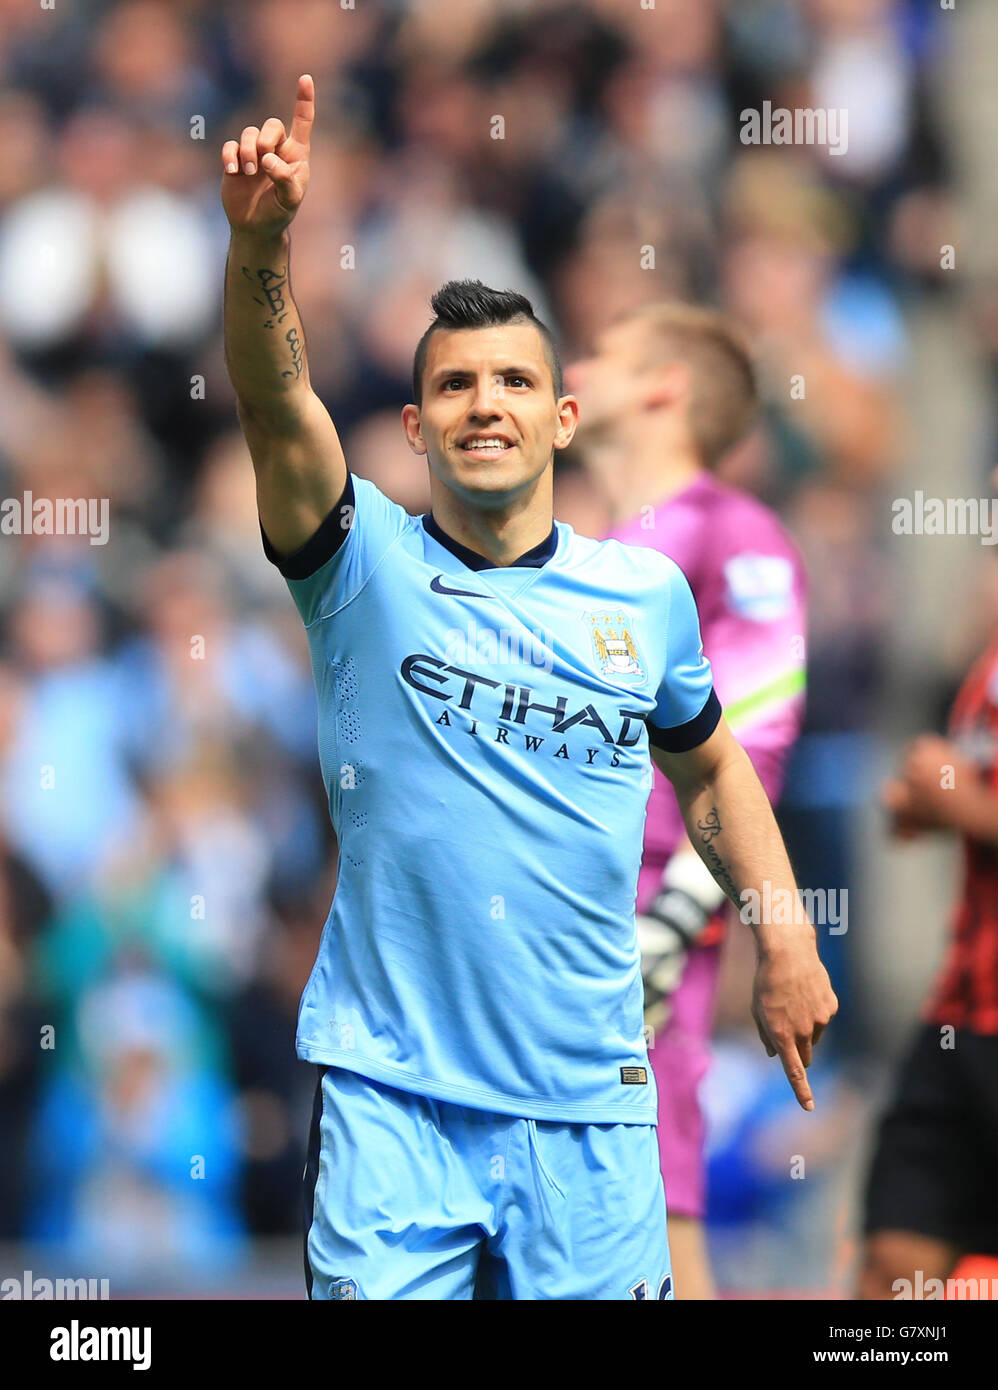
x,y
439,588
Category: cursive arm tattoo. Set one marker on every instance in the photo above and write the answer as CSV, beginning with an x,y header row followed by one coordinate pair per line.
x,y
709,828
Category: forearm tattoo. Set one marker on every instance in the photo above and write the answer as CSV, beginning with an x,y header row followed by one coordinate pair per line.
x,y
269,286
709,828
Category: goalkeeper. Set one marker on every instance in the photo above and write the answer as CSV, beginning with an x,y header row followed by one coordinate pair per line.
x,y
667,393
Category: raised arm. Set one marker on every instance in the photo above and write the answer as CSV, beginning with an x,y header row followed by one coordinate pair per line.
x,y
297,457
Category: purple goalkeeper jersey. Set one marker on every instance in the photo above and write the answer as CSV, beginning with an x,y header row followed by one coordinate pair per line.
x,y
750,588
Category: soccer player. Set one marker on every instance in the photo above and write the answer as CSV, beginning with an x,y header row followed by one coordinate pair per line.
x,y
666,393
930,1191
484,1116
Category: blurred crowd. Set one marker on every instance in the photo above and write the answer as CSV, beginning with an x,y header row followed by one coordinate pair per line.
x,y
166,861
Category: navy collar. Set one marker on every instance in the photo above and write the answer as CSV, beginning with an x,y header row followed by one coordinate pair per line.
x,y
532,559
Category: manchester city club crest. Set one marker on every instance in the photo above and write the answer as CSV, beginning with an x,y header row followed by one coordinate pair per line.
x,y
616,653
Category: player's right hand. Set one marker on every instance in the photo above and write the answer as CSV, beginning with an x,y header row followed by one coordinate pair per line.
x,y
265,171
792,1004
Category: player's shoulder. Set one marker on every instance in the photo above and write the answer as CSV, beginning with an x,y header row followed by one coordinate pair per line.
x,y
614,560
378,520
369,497
737,519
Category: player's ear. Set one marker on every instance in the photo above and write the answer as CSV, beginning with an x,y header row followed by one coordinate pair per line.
x,y
669,383
568,417
413,431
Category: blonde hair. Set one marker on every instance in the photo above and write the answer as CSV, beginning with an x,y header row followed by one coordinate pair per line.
x,y
724,394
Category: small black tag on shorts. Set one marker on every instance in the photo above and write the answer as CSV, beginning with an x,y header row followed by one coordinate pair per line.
x,y
633,1076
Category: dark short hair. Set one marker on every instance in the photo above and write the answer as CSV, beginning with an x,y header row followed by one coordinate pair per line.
x,y
470,304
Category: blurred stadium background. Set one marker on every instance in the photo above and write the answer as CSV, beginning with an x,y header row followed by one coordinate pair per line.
x,y
166,861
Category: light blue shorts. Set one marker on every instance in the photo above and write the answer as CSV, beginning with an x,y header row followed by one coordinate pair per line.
x,y
407,1197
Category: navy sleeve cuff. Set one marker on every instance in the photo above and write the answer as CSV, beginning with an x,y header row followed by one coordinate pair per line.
x,y
320,547
682,737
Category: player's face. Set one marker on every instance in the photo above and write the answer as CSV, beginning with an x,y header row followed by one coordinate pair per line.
x,y
612,383
489,421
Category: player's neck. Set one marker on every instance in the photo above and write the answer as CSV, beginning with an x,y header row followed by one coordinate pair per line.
x,y
501,535
648,477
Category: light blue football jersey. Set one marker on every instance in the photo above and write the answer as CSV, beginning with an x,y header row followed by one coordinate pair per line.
x,y
484,737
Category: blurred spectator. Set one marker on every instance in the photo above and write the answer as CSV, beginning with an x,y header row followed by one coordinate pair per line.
x,y
134,1155
65,792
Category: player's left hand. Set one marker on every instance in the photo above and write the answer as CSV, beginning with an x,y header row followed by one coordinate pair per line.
x,y
934,774
792,1004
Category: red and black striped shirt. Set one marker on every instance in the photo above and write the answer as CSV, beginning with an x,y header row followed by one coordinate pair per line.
x,y
966,992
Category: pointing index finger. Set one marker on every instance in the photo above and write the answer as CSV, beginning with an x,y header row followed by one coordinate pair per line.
x,y
301,125
793,1065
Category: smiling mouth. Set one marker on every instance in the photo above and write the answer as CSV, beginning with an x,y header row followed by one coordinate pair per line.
x,y
486,448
